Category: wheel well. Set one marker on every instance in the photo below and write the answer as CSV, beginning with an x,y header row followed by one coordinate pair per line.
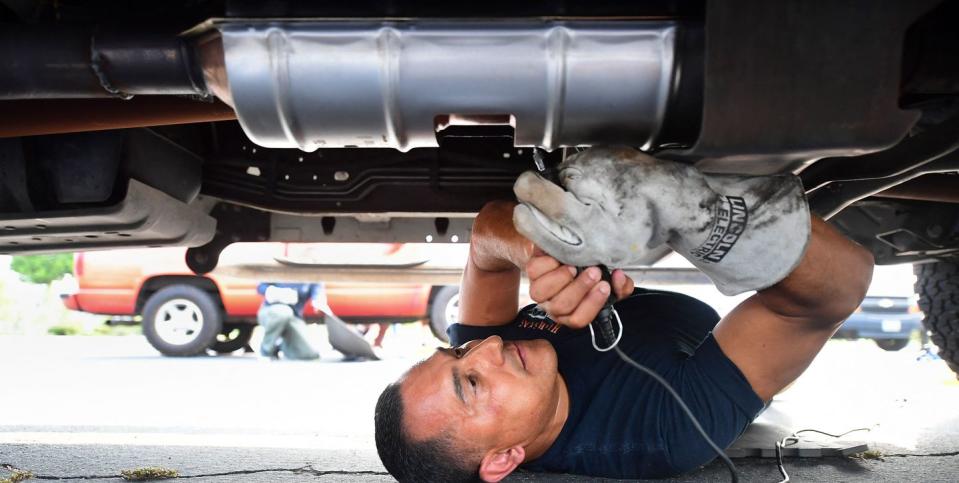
x,y
155,284
433,291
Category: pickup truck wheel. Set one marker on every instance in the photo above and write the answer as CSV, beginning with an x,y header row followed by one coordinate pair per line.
x,y
892,344
232,338
181,320
444,311
937,285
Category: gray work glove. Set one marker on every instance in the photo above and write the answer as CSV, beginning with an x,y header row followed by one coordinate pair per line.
x,y
745,233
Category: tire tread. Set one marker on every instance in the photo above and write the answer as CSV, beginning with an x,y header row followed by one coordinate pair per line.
x,y
937,285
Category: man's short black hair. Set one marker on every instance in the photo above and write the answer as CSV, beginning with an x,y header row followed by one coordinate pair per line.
x,y
415,461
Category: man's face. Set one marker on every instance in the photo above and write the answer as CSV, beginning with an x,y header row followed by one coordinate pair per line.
x,y
490,394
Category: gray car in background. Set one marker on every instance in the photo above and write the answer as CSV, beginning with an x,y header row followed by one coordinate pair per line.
x,y
890,321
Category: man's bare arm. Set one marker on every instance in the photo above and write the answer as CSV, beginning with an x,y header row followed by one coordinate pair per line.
x,y
775,334
489,292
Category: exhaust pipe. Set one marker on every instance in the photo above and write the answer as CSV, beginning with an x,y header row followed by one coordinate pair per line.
x,y
322,84
79,79
84,63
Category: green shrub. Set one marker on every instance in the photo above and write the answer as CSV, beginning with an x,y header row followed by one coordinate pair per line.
x,y
64,330
42,268
110,330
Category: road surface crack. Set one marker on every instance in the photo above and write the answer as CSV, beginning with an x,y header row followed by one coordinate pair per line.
x,y
308,469
924,455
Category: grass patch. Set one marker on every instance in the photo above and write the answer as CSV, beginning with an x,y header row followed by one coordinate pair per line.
x,y
116,330
102,329
872,454
16,476
149,473
64,330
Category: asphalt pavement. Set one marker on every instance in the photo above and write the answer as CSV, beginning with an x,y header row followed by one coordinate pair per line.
x,y
86,408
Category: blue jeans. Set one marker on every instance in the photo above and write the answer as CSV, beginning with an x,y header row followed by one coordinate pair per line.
x,y
284,332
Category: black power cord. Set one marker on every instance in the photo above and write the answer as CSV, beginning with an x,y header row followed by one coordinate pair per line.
x,y
733,473
605,336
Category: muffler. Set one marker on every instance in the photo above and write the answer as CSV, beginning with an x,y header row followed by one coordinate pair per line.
x,y
322,84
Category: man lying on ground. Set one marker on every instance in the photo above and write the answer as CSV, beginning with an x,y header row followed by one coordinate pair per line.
x,y
525,388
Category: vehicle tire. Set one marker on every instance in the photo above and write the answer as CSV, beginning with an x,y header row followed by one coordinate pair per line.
x,y
892,344
937,285
181,320
444,311
232,338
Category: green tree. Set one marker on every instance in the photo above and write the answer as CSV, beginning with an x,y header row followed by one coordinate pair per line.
x,y
42,268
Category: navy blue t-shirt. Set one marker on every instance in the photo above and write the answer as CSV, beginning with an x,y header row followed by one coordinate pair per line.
x,y
622,423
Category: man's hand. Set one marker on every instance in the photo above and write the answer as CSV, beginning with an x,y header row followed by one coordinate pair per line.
x,y
570,299
490,289
614,206
744,232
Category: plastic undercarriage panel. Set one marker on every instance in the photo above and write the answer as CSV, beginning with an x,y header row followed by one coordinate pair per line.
x,y
146,217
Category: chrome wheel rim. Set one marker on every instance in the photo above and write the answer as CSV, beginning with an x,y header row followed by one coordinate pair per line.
x,y
452,312
178,321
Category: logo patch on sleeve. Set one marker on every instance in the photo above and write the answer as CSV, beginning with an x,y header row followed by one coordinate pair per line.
x,y
536,319
729,225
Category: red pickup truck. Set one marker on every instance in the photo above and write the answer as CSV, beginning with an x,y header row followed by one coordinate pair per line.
x,y
184,314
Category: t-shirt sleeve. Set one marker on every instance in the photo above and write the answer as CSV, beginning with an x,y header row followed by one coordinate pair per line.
x,y
460,333
721,398
517,329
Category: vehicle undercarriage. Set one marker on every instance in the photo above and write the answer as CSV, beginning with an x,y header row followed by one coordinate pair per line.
x,y
205,123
